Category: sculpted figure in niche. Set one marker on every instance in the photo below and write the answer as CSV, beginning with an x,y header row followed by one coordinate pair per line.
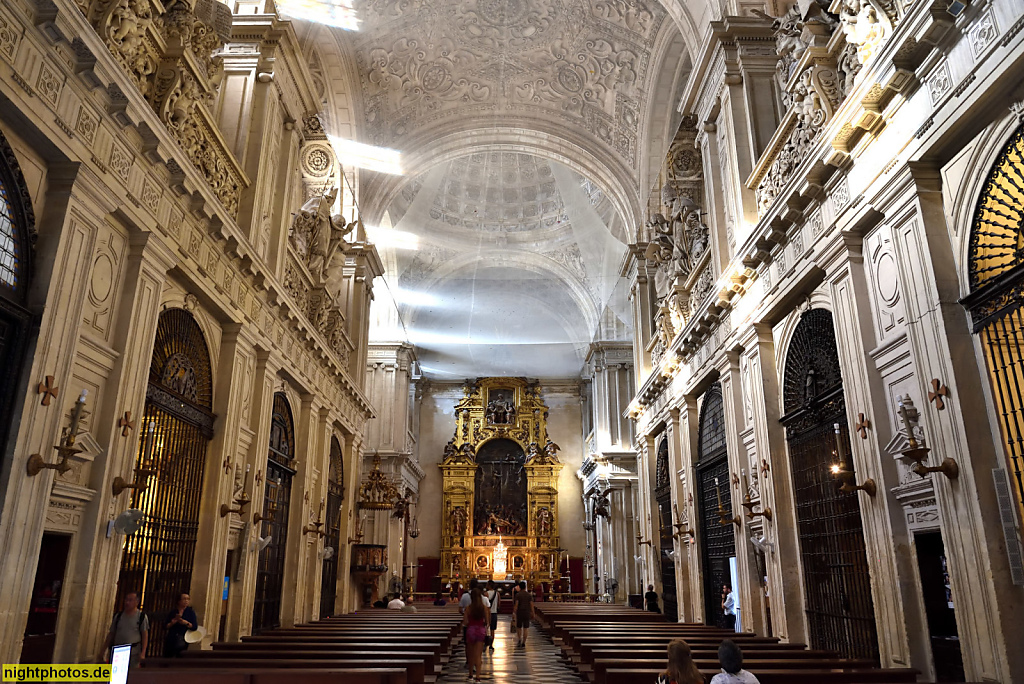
x,y
500,411
449,451
543,522
678,241
457,521
318,237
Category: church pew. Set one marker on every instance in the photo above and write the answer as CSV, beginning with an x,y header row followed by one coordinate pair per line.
x,y
365,634
431,662
646,675
362,675
588,653
415,669
597,674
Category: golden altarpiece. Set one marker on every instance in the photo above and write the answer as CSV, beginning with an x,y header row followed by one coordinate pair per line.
x,y
500,486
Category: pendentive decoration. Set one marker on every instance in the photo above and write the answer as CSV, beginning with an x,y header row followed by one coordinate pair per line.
x,y
500,486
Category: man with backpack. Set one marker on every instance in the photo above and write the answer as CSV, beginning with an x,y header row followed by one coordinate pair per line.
x,y
130,627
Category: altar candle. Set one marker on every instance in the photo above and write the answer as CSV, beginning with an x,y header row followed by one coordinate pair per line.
x,y
907,428
148,451
718,493
839,443
77,414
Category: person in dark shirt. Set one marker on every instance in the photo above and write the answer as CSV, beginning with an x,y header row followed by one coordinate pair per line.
x,y
180,620
651,599
439,599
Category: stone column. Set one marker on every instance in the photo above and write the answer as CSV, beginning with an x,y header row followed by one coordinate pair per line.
x,y
775,483
241,595
314,572
235,365
884,529
751,608
92,572
647,514
988,606
676,433
634,269
308,463
690,577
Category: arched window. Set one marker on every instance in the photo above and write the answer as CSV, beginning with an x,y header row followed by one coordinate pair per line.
x,y
335,497
17,226
996,273
717,542
173,437
837,586
276,500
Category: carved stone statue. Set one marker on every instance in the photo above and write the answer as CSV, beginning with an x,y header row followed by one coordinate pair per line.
x,y
449,452
866,25
317,236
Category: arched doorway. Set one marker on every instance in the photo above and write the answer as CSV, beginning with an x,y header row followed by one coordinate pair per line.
x,y
266,612
17,226
499,504
335,497
996,279
837,586
174,433
663,495
718,546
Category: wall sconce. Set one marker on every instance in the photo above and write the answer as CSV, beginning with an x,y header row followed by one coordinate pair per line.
x,y
119,484
358,537
680,527
66,447
314,528
722,515
414,529
766,513
848,480
916,452
640,541
241,502
847,477
257,517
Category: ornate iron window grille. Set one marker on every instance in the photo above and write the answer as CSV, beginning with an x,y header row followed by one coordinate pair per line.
x,y
996,277
157,560
663,496
266,612
837,584
335,498
718,543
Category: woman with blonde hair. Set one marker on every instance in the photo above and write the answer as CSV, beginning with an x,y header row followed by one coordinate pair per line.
x,y
681,668
475,620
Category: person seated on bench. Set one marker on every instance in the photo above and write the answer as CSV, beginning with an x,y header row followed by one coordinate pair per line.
x,y
439,599
730,657
396,603
408,607
681,668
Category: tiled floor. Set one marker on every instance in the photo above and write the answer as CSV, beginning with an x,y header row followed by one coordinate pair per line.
x,y
539,663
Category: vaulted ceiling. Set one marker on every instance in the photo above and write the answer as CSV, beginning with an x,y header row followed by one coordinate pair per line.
x,y
528,130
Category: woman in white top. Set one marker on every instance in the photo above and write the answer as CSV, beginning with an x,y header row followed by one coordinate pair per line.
x,y
730,657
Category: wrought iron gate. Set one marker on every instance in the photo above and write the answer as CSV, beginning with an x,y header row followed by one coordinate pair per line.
x,y
335,497
173,436
717,541
996,277
16,225
266,612
837,584
663,495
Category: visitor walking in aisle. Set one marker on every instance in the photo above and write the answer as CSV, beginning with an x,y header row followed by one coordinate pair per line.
x,y
475,620
522,610
494,600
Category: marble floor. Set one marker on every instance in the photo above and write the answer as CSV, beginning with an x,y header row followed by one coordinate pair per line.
x,y
539,663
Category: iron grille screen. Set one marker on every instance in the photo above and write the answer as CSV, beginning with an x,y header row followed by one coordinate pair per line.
x,y
335,497
997,289
718,543
277,497
837,585
157,559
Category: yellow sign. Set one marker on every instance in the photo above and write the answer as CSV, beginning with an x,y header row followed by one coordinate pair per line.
x,y
56,673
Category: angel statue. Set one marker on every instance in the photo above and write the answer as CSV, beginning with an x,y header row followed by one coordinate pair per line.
x,y
551,451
